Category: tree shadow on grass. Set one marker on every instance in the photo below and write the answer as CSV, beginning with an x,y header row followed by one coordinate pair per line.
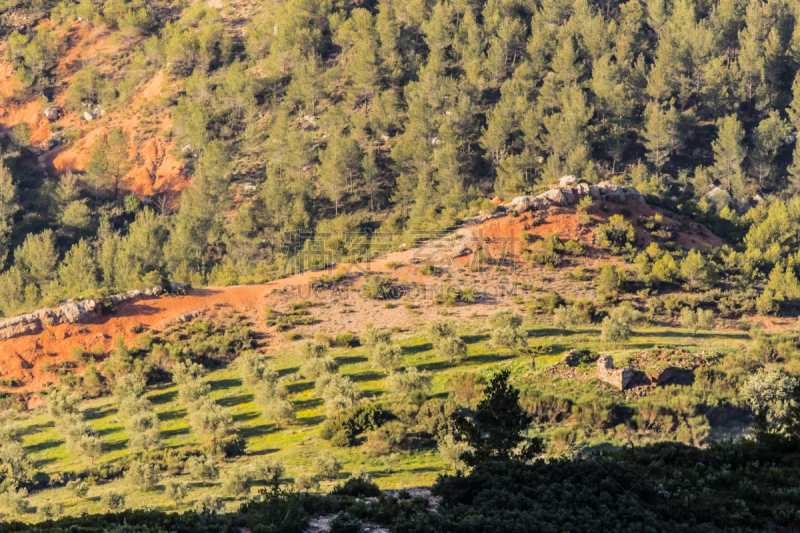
x,y
38,428
417,348
42,446
311,420
488,358
115,446
472,339
173,414
305,405
169,433
432,367
368,375
297,388
164,397
257,431
41,463
351,360
108,431
284,371
96,413
233,401
244,417
219,384
700,335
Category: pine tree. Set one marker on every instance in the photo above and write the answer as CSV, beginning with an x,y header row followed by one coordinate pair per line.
x,y
500,423
8,206
660,134
108,163
728,150
767,138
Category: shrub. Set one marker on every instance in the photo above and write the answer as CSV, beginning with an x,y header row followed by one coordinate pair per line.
x,y
467,386
440,330
346,339
342,429
411,380
304,482
378,288
268,470
509,337
339,392
202,469
142,476
321,338
427,270
326,465
565,317
386,356
292,336
375,336
49,511
237,483
618,236
313,368
16,500
617,326
254,370
505,318
451,451
450,295
276,408
452,349
144,431
208,504
176,491
113,501
78,488
358,486
345,523
611,279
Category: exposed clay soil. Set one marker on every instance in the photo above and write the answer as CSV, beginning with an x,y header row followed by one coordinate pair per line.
x,y
154,169
341,309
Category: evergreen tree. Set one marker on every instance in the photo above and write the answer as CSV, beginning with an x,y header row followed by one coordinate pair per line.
x,y
497,432
108,162
729,153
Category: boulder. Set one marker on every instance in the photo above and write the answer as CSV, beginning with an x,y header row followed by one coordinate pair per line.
x,y
88,116
51,113
569,197
520,204
567,181
554,196
617,196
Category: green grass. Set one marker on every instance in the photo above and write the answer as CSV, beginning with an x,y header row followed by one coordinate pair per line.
x,y
297,445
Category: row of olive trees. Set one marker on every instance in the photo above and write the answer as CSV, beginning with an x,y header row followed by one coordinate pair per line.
x,y
270,391
209,420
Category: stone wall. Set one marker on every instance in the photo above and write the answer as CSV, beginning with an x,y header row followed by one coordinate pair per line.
x,y
569,192
616,377
67,313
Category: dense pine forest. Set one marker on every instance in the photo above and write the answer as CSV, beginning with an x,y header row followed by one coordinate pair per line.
x,y
404,116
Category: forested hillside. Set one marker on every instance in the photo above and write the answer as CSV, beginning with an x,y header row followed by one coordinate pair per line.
x,y
312,116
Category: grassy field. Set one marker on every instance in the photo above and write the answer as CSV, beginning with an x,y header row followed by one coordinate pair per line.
x,y
297,445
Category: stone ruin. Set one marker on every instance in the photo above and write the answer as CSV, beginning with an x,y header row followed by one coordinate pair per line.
x,y
68,312
616,377
569,192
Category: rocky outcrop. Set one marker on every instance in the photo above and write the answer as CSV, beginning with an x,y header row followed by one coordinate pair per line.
x,y
616,377
68,312
569,192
